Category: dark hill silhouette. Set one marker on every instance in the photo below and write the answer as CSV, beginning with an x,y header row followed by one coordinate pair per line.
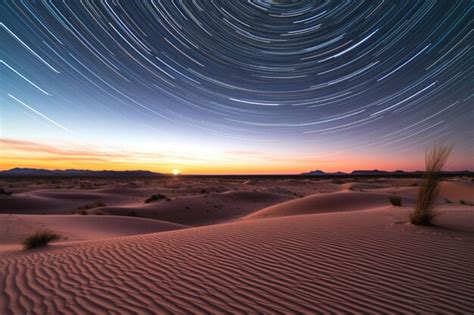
x,y
73,172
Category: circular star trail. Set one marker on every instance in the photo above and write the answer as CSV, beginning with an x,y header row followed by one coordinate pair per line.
x,y
388,74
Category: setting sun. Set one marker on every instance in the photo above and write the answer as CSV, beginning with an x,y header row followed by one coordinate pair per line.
x,y
176,172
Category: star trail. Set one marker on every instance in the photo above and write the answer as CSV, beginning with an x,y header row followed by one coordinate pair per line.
x,y
314,82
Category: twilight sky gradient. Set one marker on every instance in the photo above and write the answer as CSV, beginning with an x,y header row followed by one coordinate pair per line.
x,y
235,86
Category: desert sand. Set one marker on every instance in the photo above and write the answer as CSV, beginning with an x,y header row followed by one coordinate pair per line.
x,y
233,245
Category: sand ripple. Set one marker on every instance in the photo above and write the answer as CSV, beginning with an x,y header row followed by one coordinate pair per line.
x,y
323,263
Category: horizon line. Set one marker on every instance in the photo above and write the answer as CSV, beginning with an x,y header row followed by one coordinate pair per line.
x,y
235,174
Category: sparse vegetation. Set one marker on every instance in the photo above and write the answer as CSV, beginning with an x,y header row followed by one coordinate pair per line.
x,y
447,200
395,201
466,203
83,210
4,192
39,239
428,192
155,197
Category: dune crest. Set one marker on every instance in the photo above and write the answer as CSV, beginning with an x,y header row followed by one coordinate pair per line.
x,y
321,203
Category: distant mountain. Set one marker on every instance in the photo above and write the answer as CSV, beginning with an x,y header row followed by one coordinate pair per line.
x,y
316,173
321,173
73,172
379,172
369,172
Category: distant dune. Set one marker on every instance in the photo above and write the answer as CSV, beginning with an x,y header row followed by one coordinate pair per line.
x,y
202,209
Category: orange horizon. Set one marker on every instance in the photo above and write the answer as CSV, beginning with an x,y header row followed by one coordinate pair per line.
x,y
30,154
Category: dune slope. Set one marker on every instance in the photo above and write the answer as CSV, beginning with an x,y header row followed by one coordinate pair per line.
x,y
14,228
55,201
361,261
201,209
320,203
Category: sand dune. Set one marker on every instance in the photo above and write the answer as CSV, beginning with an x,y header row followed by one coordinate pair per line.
x,y
51,201
458,190
320,203
201,209
300,187
341,249
361,261
454,191
14,228
24,204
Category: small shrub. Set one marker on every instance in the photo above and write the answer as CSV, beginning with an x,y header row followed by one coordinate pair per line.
x,y
4,192
39,238
466,203
395,201
132,213
155,198
83,209
429,189
447,200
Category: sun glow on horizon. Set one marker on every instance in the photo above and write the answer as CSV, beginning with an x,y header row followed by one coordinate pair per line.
x,y
60,155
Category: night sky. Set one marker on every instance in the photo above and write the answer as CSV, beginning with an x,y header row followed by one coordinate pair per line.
x,y
235,86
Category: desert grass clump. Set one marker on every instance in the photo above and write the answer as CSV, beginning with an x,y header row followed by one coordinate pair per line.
x,y
39,239
83,210
93,205
429,190
466,203
4,192
155,198
395,201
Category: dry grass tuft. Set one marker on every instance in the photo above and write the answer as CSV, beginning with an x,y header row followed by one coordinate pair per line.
x,y
4,192
395,201
155,198
83,210
435,159
39,239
